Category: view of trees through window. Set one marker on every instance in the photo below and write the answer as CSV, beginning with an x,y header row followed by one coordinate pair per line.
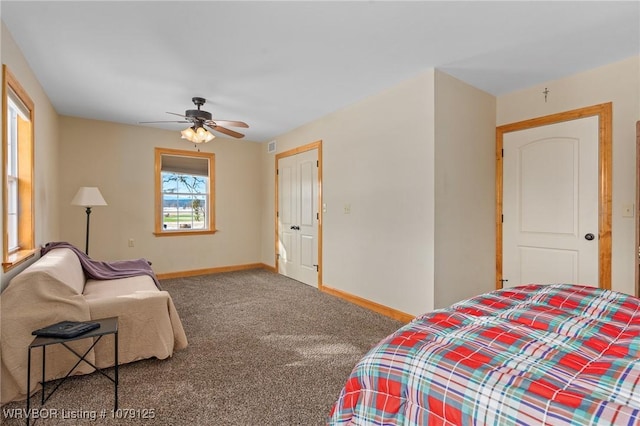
x,y
184,201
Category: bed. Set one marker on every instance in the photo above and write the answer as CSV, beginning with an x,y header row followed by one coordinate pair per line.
x,y
531,355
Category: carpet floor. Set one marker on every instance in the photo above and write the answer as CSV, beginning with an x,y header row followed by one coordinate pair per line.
x,y
263,350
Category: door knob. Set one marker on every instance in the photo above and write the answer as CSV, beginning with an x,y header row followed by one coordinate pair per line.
x,y
295,228
589,236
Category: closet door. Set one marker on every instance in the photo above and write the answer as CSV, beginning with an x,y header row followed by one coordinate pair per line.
x,y
298,216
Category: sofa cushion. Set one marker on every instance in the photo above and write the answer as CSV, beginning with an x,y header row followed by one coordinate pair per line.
x,y
100,289
60,264
148,326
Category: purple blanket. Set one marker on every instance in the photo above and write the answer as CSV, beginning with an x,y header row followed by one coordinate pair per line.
x,y
99,270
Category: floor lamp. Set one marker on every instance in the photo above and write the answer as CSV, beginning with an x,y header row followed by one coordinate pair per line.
x,y
88,196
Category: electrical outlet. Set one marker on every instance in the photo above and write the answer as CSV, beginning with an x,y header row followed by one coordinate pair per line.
x,y
627,210
130,242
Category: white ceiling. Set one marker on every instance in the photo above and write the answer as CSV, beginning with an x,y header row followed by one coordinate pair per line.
x,y
278,65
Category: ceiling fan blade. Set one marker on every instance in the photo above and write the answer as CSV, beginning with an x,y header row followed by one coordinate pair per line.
x,y
225,130
232,123
164,121
179,115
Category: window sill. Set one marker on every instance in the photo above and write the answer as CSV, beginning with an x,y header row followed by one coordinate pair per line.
x,y
183,233
16,258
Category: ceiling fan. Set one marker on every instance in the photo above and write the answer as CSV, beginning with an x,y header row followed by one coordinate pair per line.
x,y
200,121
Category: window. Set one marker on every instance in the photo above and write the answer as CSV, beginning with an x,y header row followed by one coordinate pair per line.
x,y
184,192
17,156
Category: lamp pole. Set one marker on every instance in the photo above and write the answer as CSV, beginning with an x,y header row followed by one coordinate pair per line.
x,y
86,244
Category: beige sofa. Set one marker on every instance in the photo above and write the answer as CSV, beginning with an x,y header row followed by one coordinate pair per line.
x,y
54,289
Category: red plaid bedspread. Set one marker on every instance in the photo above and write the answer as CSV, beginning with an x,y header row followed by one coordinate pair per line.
x,y
531,355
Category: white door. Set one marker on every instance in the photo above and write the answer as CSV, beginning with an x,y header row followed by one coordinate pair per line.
x,y
298,217
550,204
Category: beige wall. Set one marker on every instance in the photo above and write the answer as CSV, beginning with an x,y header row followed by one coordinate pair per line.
x,y
119,159
378,157
618,83
464,190
46,149
415,163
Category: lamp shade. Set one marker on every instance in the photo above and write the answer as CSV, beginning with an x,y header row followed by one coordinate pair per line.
x,y
88,196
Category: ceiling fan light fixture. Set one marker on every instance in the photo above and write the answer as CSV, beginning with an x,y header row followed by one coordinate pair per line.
x,y
197,135
201,132
188,134
204,135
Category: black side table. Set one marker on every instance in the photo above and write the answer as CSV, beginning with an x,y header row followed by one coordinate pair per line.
x,y
107,326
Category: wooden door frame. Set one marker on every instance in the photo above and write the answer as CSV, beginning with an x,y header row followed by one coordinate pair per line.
x,y
604,114
636,249
308,147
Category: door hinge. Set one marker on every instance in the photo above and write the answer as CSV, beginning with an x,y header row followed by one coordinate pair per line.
x,y
277,214
502,218
317,216
502,152
277,171
317,268
317,163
